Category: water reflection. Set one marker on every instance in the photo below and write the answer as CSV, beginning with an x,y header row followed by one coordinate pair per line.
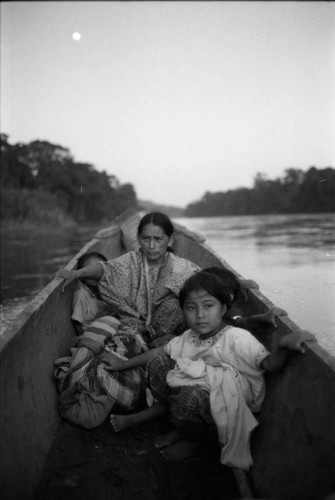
x,y
316,230
295,232
29,258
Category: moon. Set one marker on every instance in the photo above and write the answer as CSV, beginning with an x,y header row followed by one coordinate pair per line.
x,y
76,36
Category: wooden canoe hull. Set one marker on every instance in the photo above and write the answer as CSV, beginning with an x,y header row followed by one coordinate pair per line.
x,y
293,447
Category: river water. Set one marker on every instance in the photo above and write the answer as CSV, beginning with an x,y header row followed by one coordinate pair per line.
x,y
291,257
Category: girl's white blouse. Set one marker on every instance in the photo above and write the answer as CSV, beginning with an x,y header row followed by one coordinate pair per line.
x,y
234,346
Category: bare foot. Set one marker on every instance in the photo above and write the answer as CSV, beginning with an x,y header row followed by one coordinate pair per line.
x,y
270,316
121,422
182,449
168,439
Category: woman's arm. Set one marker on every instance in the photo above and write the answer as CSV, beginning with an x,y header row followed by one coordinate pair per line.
x,y
258,320
245,284
278,358
91,272
117,364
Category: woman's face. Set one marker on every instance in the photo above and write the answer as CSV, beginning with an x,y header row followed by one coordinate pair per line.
x,y
154,243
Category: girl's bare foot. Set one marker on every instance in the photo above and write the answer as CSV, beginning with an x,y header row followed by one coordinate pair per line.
x,y
168,439
121,422
271,315
185,448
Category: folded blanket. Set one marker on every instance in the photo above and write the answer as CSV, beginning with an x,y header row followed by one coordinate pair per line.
x,y
88,392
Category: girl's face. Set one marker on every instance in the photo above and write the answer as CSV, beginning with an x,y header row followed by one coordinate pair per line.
x,y
154,243
203,313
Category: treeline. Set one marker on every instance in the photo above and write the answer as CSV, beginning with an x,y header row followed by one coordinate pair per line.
x,y
295,192
41,183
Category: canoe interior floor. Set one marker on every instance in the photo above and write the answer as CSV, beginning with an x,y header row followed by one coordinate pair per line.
x,y
102,465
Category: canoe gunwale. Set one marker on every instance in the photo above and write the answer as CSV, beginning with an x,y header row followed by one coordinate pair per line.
x,y
189,234
32,307
39,335
108,232
288,325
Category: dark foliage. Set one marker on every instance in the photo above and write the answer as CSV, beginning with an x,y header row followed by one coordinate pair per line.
x,y
41,181
296,192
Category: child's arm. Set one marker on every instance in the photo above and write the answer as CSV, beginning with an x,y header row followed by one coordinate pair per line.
x,y
117,364
257,320
277,359
91,272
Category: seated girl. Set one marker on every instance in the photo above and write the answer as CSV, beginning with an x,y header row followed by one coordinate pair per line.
x,y
208,379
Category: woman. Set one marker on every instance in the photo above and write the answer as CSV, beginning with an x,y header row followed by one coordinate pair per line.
x,y
141,289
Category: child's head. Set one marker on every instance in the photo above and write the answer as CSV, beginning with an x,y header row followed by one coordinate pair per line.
x,y
204,299
229,278
89,259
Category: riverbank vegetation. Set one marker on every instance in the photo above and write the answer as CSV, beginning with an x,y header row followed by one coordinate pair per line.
x,y
42,184
312,191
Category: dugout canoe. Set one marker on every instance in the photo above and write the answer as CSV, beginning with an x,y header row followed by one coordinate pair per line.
x,y
43,457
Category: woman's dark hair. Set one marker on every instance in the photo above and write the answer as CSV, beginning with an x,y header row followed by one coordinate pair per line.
x,y
209,282
229,278
157,219
86,257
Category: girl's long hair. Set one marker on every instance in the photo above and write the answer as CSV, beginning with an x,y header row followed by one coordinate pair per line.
x,y
209,282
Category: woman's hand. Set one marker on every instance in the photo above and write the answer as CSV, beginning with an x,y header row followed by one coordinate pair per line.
x,y
113,362
245,284
294,340
67,276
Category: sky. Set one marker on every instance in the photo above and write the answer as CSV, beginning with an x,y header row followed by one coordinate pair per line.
x,y
176,98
